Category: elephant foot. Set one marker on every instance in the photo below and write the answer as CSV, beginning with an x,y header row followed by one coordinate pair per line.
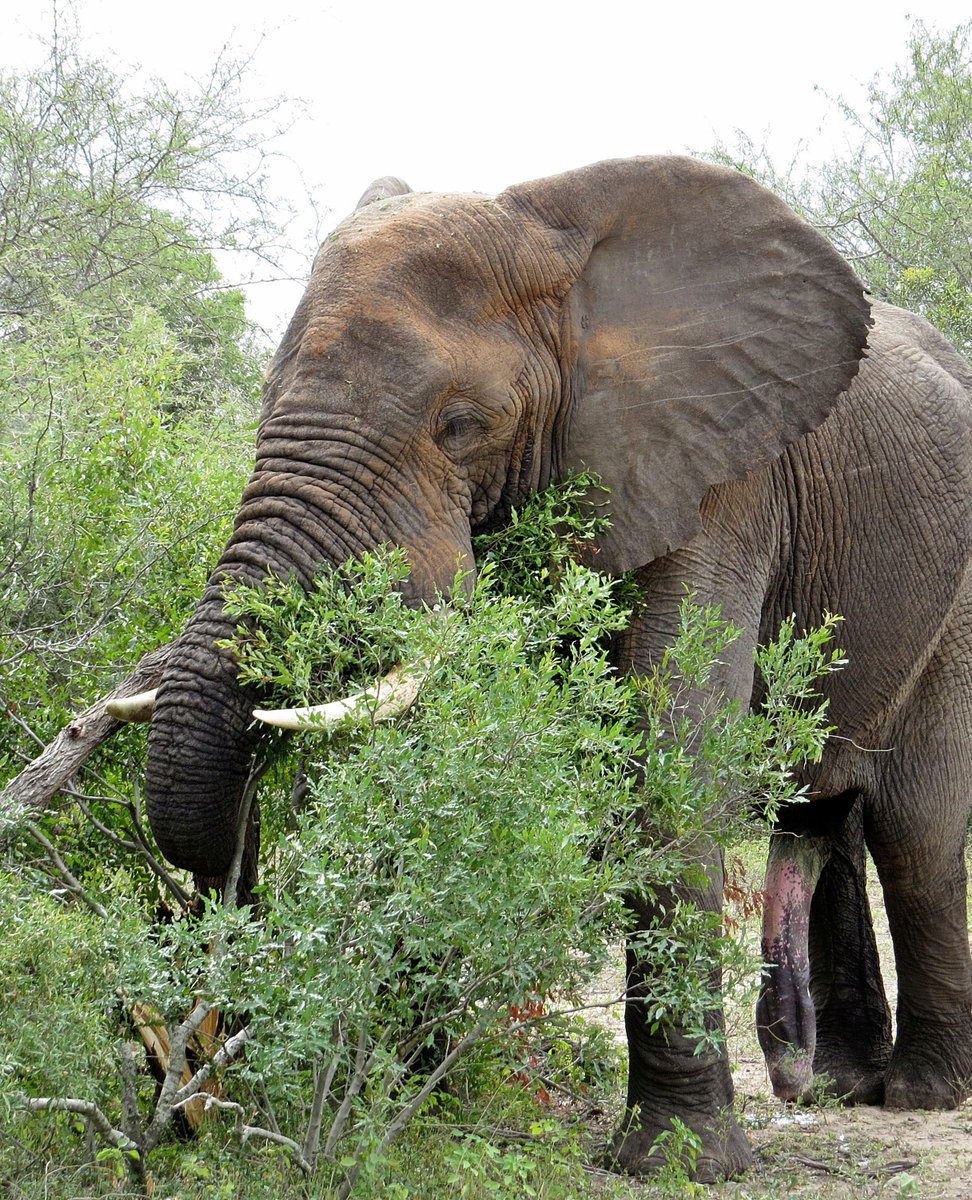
x,y
803,1075
931,1066
919,1084
852,1070
847,1083
642,1148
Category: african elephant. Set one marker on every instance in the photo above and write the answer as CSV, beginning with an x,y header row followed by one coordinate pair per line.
x,y
673,327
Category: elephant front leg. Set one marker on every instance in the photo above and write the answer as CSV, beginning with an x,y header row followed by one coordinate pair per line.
x,y
785,1019
669,1076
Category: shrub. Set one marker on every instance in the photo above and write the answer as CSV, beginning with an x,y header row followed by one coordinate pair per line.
x,y
453,878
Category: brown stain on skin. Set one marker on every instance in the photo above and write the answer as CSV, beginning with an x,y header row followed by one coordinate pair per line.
x,y
621,357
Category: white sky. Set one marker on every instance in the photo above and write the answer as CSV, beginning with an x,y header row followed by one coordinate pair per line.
x,y
476,96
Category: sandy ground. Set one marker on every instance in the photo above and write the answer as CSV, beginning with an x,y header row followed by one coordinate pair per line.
x,y
832,1152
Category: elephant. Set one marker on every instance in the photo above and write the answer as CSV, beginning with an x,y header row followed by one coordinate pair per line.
x,y
771,439
383,189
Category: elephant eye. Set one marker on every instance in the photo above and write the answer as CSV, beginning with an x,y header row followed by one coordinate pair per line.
x,y
457,426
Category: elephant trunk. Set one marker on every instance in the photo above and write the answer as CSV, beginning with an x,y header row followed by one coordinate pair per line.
x,y
203,738
201,745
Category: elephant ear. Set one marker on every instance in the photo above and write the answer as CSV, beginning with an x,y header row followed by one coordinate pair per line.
x,y
383,189
705,327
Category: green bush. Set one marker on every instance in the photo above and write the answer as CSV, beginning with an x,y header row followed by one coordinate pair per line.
x,y
450,882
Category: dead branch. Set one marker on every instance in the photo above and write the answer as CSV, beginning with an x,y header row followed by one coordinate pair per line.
x,y
35,788
89,1110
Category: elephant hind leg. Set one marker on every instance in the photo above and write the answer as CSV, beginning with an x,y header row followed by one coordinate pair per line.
x,y
917,838
853,1018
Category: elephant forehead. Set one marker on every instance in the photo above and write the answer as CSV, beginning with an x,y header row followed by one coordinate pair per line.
x,y
361,303
419,235
408,212
394,341
386,353
450,253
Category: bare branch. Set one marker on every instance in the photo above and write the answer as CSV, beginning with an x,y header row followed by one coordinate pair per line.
x,y
89,1110
73,884
279,1139
35,788
405,1114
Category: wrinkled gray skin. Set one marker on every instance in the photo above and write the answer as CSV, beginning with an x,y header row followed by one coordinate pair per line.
x,y
675,328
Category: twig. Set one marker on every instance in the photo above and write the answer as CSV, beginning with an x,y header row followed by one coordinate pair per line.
x,y
229,1050
362,1065
171,1095
405,1114
129,1092
322,1090
75,887
279,1139
141,846
257,771
18,720
92,1112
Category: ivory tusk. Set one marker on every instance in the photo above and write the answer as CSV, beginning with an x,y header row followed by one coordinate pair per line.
x,y
132,708
386,698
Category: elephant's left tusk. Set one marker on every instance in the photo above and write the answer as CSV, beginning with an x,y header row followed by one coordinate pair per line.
x,y
386,698
132,708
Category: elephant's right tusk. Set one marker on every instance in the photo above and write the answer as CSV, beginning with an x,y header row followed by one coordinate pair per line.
x,y
386,698
132,708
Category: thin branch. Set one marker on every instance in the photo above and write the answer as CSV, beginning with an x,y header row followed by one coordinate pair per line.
x,y
74,886
89,1110
18,720
229,1050
362,1065
279,1139
172,1095
405,1114
257,771
323,1081
129,1092
141,846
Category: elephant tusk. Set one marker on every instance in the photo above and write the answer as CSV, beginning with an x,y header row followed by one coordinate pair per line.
x,y
386,698
132,708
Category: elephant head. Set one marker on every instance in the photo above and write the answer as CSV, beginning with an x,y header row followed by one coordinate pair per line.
x,y
664,323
